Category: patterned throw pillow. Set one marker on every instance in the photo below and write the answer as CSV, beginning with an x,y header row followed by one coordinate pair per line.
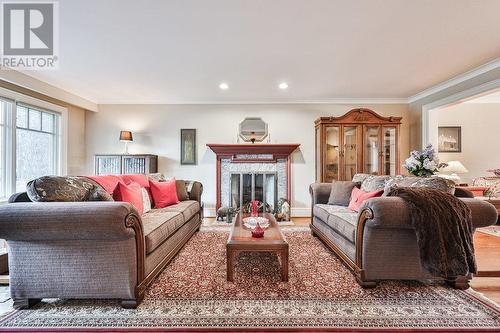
x,y
374,183
182,193
431,182
68,188
145,200
156,177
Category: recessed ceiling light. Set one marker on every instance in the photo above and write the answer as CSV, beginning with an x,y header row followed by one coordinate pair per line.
x,y
283,86
224,86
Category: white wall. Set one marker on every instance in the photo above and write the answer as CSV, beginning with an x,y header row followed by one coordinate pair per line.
x,y
480,137
157,130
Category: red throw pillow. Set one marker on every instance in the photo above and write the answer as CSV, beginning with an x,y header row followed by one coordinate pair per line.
x,y
135,178
109,182
131,193
359,196
164,193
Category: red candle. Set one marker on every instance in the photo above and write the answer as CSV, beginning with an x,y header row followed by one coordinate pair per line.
x,y
255,208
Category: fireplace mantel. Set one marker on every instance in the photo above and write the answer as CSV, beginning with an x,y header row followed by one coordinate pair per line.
x,y
253,153
231,150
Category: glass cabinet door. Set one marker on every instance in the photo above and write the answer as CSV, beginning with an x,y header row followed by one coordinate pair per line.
x,y
350,151
331,156
389,149
372,150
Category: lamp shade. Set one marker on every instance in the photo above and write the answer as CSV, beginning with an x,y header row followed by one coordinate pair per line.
x,y
126,136
454,167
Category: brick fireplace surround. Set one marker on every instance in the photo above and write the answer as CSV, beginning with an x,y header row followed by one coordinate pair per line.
x,y
253,157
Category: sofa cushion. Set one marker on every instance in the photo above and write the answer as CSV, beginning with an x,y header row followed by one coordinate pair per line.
x,y
146,200
156,177
359,196
109,182
131,193
341,192
360,177
159,225
432,182
182,193
164,193
187,208
68,188
374,183
341,219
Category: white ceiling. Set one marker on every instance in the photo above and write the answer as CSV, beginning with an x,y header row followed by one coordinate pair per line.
x,y
133,51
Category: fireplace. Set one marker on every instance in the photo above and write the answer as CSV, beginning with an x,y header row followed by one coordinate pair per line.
x,y
260,186
247,172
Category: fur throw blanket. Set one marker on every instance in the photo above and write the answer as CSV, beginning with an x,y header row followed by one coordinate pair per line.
x,y
443,224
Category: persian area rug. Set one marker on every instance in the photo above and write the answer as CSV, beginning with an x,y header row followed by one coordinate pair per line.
x,y
193,294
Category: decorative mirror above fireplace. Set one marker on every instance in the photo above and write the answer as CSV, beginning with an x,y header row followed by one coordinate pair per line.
x,y
253,129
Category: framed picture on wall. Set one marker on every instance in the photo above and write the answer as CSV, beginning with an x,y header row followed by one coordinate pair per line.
x,y
449,139
188,146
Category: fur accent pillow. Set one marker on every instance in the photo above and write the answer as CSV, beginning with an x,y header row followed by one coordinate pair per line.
x,y
67,188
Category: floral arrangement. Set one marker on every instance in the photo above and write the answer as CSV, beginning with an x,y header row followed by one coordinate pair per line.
x,y
423,163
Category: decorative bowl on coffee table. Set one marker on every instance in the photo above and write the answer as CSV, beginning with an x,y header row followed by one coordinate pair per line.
x,y
251,222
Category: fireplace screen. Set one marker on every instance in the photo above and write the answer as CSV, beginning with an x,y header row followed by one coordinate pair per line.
x,y
246,187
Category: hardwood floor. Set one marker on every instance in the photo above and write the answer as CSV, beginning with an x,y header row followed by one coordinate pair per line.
x,y
488,260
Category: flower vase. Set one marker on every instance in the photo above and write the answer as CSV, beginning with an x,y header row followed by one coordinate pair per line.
x,y
258,232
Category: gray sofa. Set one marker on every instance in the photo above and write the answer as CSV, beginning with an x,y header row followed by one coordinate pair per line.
x,y
378,242
100,249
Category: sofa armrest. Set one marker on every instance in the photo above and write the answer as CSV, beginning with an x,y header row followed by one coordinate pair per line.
x,y
320,193
463,193
483,213
393,212
196,192
19,197
39,221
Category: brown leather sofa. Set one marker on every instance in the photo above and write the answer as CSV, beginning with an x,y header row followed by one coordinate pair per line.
x,y
100,249
379,243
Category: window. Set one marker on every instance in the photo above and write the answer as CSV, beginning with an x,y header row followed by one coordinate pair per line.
x,y
36,144
29,145
5,109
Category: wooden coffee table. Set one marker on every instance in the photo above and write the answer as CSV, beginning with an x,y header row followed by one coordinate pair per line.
x,y
241,240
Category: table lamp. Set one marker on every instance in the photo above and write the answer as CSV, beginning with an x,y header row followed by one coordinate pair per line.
x,y
126,136
454,168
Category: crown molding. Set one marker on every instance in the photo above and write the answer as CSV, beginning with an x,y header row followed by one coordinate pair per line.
x,y
260,102
456,80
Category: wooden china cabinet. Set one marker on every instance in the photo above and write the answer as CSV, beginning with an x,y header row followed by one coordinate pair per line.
x,y
361,141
